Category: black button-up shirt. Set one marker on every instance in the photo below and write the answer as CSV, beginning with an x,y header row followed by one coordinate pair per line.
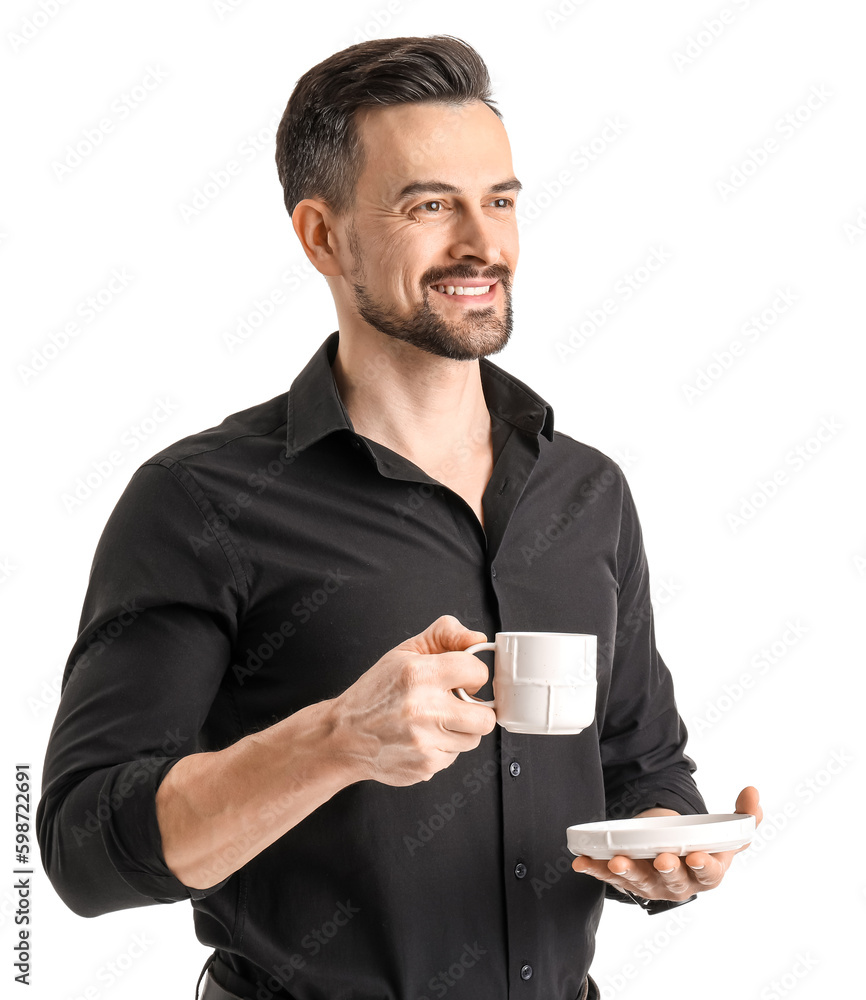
x,y
263,565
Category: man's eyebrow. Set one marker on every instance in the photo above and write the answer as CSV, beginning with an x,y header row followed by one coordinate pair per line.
x,y
441,187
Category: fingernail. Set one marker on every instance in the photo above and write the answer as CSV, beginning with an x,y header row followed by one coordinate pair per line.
x,y
664,871
696,868
620,873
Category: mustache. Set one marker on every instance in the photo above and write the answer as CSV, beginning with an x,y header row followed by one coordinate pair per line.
x,y
449,276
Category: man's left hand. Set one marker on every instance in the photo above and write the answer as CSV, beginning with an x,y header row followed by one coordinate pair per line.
x,y
667,876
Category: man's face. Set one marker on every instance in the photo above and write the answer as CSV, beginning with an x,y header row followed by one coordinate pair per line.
x,y
435,209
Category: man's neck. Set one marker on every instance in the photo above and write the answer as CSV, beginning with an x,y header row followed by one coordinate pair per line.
x,y
429,409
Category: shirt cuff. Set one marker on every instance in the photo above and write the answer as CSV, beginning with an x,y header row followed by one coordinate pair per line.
x,y
652,906
130,832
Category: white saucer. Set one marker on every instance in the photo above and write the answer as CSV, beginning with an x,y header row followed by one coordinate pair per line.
x,y
650,836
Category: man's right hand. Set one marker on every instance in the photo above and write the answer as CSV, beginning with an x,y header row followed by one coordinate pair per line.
x,y
400,723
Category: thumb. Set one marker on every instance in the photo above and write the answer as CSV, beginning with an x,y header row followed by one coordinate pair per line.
x,y
748,801
442,636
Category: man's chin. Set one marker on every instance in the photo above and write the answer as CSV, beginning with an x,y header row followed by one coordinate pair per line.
x,y
454,346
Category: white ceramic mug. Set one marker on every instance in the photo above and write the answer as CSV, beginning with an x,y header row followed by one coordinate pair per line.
x,y
543,682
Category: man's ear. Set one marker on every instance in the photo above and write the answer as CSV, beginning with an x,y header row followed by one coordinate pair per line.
x,y
313,223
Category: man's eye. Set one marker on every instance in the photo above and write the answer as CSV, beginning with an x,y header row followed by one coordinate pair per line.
x,y
432,206
502,202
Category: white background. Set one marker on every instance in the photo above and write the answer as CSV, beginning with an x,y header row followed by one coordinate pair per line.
x,y
692,105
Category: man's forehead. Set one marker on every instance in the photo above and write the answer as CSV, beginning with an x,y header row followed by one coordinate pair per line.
x,y
429,144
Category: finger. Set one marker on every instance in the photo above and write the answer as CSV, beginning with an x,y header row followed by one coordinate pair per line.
x,y
457,669
622,866
622,873
638,876
748,801
674,876
442,672
475,720
457,740
446,633
706,869
590,866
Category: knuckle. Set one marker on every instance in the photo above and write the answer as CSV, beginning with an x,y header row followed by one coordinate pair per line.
x,y
410,674
415,714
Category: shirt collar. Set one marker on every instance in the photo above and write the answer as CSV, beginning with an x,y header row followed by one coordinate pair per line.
x,y
315,408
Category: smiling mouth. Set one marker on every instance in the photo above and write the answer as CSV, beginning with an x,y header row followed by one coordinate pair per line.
x,y
467,290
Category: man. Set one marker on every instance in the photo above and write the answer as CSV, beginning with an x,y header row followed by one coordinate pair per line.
x,y
258,714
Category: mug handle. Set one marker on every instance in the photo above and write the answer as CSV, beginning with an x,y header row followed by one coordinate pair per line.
x,y
468,697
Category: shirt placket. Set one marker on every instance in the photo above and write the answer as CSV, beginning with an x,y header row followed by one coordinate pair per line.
x,y
509,479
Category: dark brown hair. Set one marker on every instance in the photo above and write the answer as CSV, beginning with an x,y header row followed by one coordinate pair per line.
x,y
319,152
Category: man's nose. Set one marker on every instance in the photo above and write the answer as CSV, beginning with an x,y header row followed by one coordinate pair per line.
x,y
476,236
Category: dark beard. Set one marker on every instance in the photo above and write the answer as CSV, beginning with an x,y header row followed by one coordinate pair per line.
x,y
478,334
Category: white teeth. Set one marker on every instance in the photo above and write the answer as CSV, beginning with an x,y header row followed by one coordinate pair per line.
x,y
462,290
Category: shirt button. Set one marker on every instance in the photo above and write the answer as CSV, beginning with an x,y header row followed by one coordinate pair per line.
x,y
514,768
493,571
526,972
520,870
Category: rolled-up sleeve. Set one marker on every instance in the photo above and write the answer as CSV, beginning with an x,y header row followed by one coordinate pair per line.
x,y
643,738
157,627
